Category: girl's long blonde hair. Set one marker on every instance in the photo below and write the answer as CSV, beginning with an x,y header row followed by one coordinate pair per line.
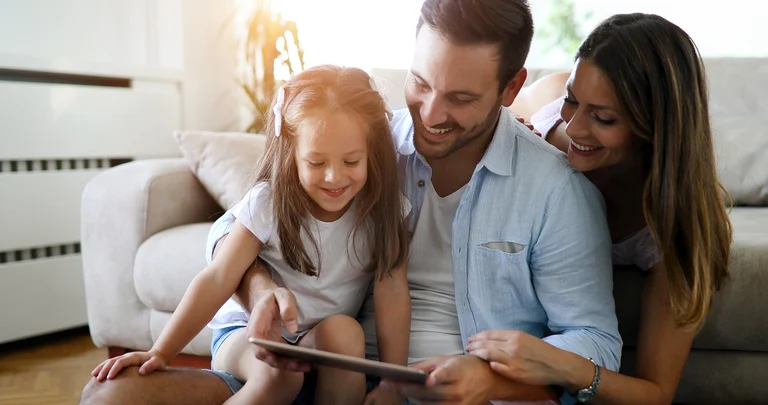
x,y
660,82
309,96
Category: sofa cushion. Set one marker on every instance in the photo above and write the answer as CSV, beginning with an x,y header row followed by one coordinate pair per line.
x,y
224,162
737,320
167,262
739,111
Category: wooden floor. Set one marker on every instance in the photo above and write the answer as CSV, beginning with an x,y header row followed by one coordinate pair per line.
x,y
47,371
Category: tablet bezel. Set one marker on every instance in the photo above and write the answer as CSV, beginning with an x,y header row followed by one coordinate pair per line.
x,y
322,358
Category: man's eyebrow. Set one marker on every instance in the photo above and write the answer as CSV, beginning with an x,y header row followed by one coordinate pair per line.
x,y
468,93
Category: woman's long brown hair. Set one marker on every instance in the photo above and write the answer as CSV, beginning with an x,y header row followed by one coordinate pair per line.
x,y
660,82
309,96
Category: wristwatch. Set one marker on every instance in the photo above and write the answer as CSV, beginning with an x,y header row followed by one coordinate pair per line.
x,y
585,394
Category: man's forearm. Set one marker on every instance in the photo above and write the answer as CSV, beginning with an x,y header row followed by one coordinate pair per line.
x,y
255,283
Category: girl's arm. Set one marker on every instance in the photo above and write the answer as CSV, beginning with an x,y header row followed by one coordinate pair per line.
x,y
662,351
392,306
543,91
209,290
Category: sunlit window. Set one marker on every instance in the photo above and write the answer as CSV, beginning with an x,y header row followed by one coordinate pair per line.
x,y
378,34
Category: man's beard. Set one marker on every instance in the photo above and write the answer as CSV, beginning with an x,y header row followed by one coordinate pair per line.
x,y
463,137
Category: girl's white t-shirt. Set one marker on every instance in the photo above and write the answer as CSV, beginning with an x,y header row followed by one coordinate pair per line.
x,y
341,284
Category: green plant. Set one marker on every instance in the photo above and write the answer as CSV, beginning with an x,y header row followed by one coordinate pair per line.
x,y
563,27
266,41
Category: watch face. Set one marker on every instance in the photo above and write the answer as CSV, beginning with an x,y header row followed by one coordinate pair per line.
x,y
584,395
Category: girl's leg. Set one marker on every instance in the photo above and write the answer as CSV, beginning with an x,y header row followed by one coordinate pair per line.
x,y
263,384
343,335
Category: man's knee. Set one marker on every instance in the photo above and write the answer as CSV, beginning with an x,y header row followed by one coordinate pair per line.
x,y
98,393
119,391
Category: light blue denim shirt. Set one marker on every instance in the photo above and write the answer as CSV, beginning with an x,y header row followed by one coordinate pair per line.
x,y
531,246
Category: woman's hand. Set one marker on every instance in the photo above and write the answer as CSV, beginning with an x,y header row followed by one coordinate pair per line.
x,y
519,356
148,362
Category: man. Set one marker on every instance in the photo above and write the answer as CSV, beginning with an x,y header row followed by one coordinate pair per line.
x,y
505,234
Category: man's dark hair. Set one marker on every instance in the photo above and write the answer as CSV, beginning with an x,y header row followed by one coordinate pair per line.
x,y
506,23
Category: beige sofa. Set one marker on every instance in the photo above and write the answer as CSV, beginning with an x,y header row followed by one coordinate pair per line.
x,y
145,225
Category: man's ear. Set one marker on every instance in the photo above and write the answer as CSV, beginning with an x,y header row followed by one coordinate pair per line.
x,y
513,87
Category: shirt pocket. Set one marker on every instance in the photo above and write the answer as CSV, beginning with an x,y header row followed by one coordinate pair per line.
x,y
502,277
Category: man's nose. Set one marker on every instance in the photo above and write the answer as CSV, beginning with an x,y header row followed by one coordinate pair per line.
x,y
433,112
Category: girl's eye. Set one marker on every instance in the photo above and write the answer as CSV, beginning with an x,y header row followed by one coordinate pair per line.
x,y
316,164
570,101
355,163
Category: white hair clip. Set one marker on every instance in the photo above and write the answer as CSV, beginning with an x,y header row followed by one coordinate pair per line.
x,y
278,110
375,88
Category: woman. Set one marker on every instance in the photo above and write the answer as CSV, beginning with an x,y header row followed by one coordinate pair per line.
x,y
634,118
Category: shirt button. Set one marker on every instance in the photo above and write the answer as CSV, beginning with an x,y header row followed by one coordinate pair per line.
x,y
420,183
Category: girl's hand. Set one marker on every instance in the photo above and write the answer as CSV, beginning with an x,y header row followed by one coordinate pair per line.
x,y
148,362
383,397
518,356
529,125
274,310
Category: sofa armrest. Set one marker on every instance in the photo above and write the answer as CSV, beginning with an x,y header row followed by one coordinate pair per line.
x,y
121,208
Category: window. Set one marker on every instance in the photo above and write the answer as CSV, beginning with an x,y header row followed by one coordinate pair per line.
x,y
379,34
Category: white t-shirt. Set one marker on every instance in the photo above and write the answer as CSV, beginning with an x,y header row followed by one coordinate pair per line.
x,y
341,284
434,322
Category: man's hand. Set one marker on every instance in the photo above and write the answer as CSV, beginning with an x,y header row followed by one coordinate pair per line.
x,y
454,380
269,314
381,396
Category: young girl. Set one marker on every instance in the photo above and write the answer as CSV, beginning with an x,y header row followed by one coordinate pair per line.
x,y
326,215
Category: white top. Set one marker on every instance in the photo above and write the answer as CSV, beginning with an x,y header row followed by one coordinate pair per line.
x,y
638,250
341,284
434,322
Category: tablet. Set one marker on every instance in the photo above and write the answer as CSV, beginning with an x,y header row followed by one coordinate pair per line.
x,y
323,358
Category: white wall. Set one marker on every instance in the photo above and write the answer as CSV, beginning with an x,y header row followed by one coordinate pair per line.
x,y
54,137
212,98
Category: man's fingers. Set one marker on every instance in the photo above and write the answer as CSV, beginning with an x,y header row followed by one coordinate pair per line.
x,y
416,392
441,376
429,364
500,368
282,363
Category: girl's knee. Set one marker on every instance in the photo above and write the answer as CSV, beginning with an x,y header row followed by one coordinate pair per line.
x,y
340,334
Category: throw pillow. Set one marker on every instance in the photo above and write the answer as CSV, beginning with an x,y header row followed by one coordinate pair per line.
x,y
224,162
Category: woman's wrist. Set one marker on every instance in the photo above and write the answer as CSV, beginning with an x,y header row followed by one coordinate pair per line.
x,y
576,373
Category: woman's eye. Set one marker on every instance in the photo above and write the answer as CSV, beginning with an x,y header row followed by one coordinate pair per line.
x,y
354,163
316,164
603,121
